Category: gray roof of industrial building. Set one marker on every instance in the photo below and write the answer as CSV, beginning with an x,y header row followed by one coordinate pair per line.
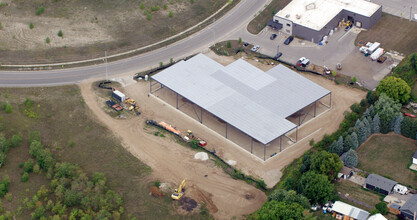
x,y
380,182
415,155
253,101
410,206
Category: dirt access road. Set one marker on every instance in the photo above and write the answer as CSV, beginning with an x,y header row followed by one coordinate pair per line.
x,y
171,162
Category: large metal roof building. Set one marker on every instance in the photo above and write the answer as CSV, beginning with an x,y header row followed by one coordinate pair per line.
x,y
255,102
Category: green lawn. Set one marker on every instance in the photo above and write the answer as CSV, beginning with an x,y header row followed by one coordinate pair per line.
x,y
355,191
389,155
61,116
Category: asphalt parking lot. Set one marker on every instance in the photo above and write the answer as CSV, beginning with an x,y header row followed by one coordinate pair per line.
x,y
401,8
339,49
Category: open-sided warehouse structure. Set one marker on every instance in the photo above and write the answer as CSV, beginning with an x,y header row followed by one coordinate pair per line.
x,y
314,19
242,96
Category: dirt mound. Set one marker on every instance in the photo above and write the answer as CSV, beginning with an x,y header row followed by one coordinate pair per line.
x,y
203,197
156,192
187,203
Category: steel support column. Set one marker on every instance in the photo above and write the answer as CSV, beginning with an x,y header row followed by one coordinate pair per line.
x,y
201,115
150,85
177,100
264,151
296,134
226,130
251,145
280,143
330,100
299,118
315,105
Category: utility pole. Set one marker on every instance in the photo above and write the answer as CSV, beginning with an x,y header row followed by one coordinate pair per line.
x,y
107,72
411,13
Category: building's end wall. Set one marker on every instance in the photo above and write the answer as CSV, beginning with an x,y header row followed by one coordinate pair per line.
x,y
287,25
367,22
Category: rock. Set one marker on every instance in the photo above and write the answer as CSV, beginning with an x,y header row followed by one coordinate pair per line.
x,y
165,187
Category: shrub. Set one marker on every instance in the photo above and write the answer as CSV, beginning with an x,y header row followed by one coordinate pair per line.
x,y
60,34
70,143
4,144
161,64
157,183
354,79
25,177
28,166
1,26
9,197
39,213
34,136
228,44
40,10
2,158
16,140
170,14
142,6
48,40
31,26
311,142
149,17
239,40
382,208
8,108
191,1
165,6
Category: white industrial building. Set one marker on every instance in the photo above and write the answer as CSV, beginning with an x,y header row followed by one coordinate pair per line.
x,y
313,19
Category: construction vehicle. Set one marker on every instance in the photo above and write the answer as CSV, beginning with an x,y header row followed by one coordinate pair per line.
x,y
178,193
114,105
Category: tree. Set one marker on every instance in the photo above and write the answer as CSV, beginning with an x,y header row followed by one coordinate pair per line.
x,y
291,196
326,163
340,145
348,144
4,144
376,124
409,127
397,123
351,158
394,87
371,97
367,127
382,208
387,110
355,140
362,133
280,211
316,187
333,147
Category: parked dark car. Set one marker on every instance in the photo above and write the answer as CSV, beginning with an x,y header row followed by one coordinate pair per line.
x,y
273,36
288,40
245,44
276,57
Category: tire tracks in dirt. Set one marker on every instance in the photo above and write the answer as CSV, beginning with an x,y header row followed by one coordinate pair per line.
x,y
172,162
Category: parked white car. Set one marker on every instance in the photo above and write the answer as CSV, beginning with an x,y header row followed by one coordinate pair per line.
x,y
255,48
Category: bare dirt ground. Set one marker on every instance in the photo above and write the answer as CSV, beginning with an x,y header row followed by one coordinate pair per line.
x,y
224,196
91,27
173,162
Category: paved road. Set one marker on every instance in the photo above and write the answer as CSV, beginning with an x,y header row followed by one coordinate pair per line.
x,y
400,8
233,21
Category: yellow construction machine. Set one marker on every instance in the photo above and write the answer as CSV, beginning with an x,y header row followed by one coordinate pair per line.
x,y
180,191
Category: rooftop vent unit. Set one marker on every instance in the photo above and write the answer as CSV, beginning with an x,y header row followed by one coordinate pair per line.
x,y
287,15
298,16
311,6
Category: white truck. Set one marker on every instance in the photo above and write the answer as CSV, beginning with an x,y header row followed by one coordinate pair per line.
x,y
378,52
373,47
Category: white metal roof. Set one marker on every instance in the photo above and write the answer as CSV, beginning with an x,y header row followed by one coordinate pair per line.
x,y
351,211
315,14
253,101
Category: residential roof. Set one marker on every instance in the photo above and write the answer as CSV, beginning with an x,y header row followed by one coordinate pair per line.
x,y
351,211
394,206
253,101
316,14
380,182
415,155
345,170
377,216
410,206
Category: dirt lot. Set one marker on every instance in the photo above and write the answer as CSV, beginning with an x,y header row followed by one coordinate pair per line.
x,y
224,196
402,38
392,149
90,27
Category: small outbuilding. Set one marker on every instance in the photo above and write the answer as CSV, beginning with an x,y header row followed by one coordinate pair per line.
x,y
345,173
380,184
343,210
409,208
403,190
415,158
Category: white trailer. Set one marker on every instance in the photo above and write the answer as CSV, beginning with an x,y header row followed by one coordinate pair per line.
x,y
373,47
378,52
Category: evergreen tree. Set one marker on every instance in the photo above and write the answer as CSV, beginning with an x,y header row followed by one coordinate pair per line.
x,y
348,144
333,147
351,158
362,133
409,127
355,140
376,123
387,110
367,127
397,123
371,110
339,146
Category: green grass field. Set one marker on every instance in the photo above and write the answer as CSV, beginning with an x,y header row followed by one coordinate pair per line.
x,y
402,38
61,116
355,191
389,155
259,22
